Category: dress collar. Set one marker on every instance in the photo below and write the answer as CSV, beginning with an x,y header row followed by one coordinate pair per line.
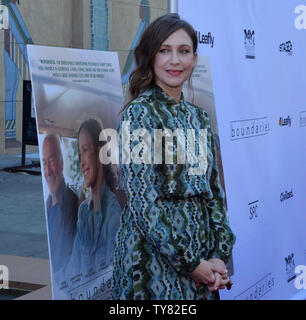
x,y
160,94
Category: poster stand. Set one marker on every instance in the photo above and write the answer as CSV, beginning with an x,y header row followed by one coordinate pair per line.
x,y
29,134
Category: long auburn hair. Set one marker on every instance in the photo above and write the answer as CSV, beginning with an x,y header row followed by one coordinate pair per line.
x,y
156,33
94,128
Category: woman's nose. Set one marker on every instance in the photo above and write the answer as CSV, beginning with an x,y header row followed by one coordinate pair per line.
x,y
174,58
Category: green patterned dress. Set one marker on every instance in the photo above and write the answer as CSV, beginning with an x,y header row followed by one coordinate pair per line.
x,y
172,218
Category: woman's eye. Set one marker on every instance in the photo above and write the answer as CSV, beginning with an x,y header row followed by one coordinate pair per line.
x,y
82,152
163,50
184,51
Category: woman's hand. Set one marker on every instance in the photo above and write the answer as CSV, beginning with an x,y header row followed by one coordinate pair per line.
x,y
220,282
222,278
212,273
208,273
218,263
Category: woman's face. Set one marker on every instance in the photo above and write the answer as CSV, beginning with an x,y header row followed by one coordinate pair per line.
x,y
89,160
174,62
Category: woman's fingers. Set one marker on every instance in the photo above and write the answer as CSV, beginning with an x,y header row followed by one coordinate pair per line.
x,y
218,265
220,283
211,273
203,273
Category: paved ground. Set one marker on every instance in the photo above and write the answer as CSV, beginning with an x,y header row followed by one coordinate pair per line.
x,y
22,216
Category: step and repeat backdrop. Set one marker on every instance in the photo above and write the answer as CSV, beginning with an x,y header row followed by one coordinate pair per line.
x,y
257,58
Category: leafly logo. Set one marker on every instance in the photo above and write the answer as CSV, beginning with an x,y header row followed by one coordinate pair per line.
x,y
286,47
303,119
285,121
290,267
242,129
249,44
205,38
4,18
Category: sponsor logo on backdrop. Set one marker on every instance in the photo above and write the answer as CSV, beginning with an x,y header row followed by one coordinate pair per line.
x,y
4,17
249,43
300,280
290,267
286,47
205,38
253,209
258,290
300,20
242,129
285,121
4,277
303,119
286,195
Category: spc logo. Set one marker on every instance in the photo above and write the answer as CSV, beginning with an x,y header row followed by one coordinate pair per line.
x,y
300,20
4,20
4,277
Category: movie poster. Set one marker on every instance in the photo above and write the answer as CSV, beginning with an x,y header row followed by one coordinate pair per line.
x,y
78,94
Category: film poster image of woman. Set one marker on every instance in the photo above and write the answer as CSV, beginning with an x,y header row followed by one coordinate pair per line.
x,y
83,204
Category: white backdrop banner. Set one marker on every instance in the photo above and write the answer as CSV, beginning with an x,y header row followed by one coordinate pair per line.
x,y
257,52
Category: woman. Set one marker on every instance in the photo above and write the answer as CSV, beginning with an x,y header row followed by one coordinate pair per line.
x,y
98,216
174,239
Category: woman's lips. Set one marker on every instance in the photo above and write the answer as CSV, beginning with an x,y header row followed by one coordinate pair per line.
x,y
174,73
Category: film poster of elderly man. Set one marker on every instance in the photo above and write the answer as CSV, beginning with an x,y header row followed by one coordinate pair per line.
x,y
78,93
